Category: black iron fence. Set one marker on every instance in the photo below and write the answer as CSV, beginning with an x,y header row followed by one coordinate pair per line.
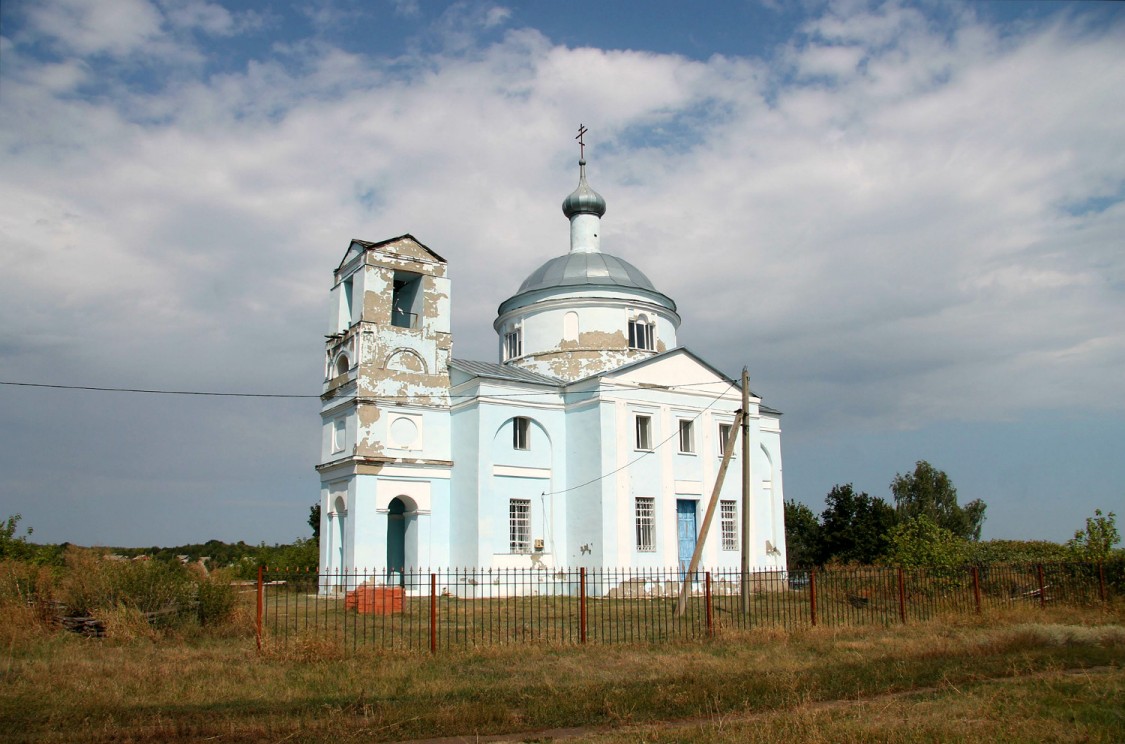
x,y
425,609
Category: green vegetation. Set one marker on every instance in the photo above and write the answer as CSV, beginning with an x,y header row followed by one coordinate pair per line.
x,y
1095,543
925,528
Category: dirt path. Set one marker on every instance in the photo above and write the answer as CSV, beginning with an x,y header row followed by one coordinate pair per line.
x,y
573,732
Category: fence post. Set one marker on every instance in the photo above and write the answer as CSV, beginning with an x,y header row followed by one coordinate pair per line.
x,y
1101,581
976,589
812,595
261,607
433,613
1042,586
901,595
582,604
710,615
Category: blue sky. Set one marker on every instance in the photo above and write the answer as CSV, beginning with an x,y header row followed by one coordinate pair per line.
x,y
905,218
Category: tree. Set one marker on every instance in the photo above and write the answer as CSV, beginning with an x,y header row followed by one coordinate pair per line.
x,y
314,521
802,535
921,542
855,528
1095,543
929,492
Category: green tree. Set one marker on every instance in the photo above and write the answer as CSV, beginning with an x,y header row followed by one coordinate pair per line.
x,y
855,528
1095,543
802,535
314,521
929,492
922,542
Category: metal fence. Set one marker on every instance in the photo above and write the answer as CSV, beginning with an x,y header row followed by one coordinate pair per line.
x,y
452,608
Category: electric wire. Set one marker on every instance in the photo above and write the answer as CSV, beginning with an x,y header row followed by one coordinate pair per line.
x,y
161,391
645,454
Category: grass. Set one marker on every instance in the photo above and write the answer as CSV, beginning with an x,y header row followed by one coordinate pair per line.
x,y
932,681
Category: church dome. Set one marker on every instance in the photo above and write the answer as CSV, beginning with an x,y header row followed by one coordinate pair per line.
x,y
598,269
583,200
580,271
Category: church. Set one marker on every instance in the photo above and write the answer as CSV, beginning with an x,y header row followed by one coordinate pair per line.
x,y
594,439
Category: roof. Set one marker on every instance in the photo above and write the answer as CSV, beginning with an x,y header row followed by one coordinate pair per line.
x,y
368,245
502,372
584,270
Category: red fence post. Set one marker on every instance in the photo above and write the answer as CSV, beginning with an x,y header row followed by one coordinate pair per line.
x,y
1101,580
710,616
1042,586
976,589
901,595
433,613
261,607
812,595
582,604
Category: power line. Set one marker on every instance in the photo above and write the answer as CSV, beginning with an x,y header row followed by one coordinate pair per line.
x,y
157,391
154,391
642,456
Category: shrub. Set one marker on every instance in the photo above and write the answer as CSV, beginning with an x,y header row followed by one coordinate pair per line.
x,y
216,599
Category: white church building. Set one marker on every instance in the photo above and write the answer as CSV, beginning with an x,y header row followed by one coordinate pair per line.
x,y
593,441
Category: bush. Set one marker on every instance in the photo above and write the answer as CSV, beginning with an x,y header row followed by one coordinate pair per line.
x,y
1017,551
216,599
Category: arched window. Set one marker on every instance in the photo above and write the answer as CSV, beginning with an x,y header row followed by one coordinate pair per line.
x,y
342,365
640,334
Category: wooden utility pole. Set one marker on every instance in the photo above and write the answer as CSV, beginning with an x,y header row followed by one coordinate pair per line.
x,y
745,583
728,450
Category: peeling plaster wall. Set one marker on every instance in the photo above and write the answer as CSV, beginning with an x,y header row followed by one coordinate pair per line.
x,y
602,341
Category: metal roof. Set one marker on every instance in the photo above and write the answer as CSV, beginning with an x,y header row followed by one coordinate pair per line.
x,y
502,372
576,269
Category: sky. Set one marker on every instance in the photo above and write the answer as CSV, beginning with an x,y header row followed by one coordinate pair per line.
x,y
906,219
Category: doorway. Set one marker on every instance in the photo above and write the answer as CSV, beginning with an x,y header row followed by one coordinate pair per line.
x,y
685,531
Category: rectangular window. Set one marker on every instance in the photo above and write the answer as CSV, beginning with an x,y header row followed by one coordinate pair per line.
x,y
687,438
729,514
339,435
644,432
646,523
640,335
513,344
724,433
519,526
520,430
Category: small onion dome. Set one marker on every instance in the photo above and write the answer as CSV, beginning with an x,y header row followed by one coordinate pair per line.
x,y
583,200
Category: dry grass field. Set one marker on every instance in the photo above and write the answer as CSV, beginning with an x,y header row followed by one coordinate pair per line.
x,y
1023,675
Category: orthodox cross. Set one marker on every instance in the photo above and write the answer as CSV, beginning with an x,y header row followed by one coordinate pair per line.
x,y
581,143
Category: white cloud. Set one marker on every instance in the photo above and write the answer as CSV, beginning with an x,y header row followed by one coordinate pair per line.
x,y
896,247
116,27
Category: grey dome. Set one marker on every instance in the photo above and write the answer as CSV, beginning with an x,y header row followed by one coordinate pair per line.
x,y
583,200
581,270
575,269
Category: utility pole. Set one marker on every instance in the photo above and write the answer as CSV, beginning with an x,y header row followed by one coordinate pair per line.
x,y
728,450
745,492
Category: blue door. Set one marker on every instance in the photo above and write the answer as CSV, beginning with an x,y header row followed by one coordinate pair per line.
x,y
685,531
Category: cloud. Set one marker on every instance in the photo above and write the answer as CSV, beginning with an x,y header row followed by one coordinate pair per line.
x,y
881,220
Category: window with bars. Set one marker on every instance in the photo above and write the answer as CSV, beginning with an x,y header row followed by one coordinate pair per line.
x,y
521,431
640,335
644,432
729,516
513,344
646,523
687,436
519,525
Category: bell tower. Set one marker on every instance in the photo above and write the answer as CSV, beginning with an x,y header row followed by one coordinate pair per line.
x,y
385,444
